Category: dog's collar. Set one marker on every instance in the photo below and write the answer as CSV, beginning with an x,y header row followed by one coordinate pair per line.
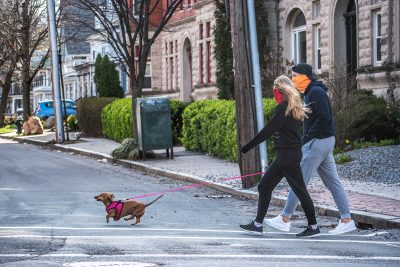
x,y
117,205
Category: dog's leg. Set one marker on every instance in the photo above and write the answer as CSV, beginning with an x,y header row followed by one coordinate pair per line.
x,y
110,214
138,216
129,218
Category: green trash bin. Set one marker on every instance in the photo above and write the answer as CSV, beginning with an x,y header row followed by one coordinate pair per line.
x,y
154,125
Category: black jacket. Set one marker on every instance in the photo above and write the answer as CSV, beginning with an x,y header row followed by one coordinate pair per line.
x,y
320,123
285,130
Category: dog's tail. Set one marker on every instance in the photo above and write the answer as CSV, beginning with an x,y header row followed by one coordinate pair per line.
x,y
153,201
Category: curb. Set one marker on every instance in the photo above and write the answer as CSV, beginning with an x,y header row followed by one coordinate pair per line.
x,y
363,218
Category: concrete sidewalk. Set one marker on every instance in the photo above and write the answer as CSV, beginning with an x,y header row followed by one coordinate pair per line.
x,y
367,209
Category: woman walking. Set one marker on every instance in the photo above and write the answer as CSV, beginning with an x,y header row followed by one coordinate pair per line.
x,y
284,126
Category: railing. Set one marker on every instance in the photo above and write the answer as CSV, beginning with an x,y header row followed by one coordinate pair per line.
x,y
41,82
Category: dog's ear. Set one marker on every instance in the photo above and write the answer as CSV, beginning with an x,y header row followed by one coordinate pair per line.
x,y
112,196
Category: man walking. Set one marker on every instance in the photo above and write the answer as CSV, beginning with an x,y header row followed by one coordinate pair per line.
x,y
318,143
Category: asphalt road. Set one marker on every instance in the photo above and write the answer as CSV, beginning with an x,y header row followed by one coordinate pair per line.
x,y
48,217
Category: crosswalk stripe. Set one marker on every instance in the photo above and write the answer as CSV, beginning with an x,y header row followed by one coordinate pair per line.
x,y
110,237
269,256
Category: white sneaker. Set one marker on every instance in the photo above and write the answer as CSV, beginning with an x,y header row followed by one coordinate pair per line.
x,y
278,223
342,228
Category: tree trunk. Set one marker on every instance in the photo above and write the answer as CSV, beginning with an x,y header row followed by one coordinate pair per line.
x,y
244,94
6,86
26,93
133,85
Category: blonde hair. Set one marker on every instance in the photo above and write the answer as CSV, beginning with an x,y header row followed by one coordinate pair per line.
x,y
295,106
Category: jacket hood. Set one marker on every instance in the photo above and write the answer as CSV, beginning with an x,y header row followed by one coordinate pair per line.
x,y
316,83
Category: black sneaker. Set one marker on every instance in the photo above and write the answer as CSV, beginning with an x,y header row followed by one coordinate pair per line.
x,y
252,228
309,232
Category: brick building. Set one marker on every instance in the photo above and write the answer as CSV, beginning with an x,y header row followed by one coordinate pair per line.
x,y
182,61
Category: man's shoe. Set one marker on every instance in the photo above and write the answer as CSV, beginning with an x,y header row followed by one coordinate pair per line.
x,y
342,228
309,232
252,228
278,223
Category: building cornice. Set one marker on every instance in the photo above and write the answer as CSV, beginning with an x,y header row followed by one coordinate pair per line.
x,y
200,4
375,69
182,21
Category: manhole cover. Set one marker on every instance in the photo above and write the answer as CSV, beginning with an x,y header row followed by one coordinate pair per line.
x,y
109,264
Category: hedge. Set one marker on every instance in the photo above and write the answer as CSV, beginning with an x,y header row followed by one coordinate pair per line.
x,y
366,117
210,126
117,119
89,114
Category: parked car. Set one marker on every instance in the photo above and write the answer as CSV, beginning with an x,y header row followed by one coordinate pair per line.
x,y
45,108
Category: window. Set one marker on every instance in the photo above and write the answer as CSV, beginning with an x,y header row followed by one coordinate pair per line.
x,y
377,38
147,76
136,7
208,62
171,64
171,72
316,9
299,51
201,63
208,29
201,31
317,48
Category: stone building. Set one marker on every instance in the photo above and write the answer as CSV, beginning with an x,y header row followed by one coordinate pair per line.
x,y
362,36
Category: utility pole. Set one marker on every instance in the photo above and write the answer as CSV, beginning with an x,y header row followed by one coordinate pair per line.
x,y
255,64
55,71
244,95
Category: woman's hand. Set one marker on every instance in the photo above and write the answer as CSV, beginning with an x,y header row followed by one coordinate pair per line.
x,y
245,149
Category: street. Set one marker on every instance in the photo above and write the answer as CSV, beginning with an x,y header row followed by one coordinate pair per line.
x,y
49,217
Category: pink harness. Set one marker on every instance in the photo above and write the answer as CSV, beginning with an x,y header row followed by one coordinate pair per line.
x,y
117,205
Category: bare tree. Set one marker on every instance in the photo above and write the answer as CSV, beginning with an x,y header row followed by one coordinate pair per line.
x,y
7,58
130,27
28,35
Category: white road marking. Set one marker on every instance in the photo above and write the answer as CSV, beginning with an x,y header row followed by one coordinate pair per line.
x,y
263,239
269,256
133,228
109,263
376,234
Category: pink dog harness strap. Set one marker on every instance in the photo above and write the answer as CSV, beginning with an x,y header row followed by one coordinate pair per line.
x,y
117,205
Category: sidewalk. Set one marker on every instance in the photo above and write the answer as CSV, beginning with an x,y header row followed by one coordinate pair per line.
x,y
380,209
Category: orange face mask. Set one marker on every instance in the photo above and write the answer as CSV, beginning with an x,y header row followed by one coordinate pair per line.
x,y
301,82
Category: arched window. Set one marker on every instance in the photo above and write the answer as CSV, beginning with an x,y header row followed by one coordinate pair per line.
x,y
299,48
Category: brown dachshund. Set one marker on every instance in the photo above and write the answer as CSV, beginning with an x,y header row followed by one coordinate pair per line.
x,y
122,208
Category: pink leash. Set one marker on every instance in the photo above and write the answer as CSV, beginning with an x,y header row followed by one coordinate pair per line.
x,y
172,190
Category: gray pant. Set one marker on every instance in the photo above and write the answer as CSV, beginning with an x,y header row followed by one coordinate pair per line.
x,y
318,156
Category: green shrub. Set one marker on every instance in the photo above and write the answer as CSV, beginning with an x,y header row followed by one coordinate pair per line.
x,y
106,78
177,108
72,123
89,114
5,129
127,146
342,158
128,149
366,117
116,119
210,126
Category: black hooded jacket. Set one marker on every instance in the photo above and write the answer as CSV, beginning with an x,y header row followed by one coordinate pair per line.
x,y
284,129
320,123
